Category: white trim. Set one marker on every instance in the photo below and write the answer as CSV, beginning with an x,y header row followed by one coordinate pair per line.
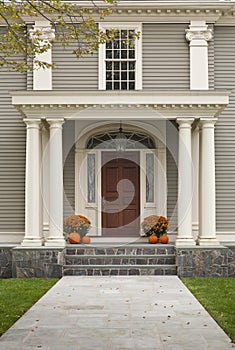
x,y
138,75
168,98
11,237
225,237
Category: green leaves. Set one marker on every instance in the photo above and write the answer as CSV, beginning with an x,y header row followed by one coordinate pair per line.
x,y
70,21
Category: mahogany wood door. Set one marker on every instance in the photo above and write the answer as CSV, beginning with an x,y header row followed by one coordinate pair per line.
x,y
120,194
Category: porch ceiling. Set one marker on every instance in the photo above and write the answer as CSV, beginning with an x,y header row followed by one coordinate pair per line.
x,y
120,104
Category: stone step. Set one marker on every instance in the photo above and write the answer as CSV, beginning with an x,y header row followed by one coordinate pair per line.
x,y
118,270
132,249
163,259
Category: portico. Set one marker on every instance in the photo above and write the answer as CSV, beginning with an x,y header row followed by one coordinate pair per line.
x,y
50,110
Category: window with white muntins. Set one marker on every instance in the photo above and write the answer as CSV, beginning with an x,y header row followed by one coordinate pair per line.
x,y
120,60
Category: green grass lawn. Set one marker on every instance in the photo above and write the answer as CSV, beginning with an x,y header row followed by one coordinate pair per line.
x,y
18,295
217,295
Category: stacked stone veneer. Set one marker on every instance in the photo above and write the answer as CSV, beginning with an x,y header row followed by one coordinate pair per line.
x,y
132,259
202,261
231,262
45,262
5,262
40,262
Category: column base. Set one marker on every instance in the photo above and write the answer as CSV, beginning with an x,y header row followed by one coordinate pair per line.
x,y
185,242
31,242
208,241
55,242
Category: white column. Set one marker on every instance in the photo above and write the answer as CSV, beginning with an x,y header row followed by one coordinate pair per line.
x,y
33,234
56,238
45,181
198,34
42,78
185,192
195,178
207,221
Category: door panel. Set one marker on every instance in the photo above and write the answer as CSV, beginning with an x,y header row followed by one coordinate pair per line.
x,y
120,193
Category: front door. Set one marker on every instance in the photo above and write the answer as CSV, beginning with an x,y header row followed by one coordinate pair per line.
x,y
120,194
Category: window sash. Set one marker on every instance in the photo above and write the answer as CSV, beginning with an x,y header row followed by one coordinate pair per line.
x,y
91,183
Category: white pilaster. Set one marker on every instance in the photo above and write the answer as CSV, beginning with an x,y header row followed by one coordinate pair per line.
x,y
207,221
56,238
185,192
198,34
42,78
195,177
33,225
45,181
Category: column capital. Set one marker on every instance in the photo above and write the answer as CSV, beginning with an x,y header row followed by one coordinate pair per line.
x,y
198,30
32,123
205,35
185,122
207,122
42,31
55,123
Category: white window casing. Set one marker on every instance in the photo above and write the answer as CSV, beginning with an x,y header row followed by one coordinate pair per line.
x,y
137,27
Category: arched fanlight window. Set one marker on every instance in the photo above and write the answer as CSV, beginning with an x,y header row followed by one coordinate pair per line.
x,y
108,140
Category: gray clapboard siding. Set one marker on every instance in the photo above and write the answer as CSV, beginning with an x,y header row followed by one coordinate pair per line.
x,y
30,72
165,57
71,73
172,173
12,154
225,130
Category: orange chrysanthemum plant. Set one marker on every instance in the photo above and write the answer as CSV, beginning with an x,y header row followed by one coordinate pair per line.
x,y
155,225
76,223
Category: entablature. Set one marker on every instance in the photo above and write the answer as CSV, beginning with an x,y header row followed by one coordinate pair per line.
x,y
218,12
221,12
120,104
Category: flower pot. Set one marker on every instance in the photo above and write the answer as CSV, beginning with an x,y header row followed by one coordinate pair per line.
x,y
153,239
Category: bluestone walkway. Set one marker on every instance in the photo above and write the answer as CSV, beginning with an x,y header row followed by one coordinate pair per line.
x,y
99,313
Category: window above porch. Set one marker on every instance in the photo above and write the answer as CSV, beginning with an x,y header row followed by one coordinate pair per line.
x,y
120,64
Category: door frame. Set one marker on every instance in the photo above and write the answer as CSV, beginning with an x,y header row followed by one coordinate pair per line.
x,y
93,210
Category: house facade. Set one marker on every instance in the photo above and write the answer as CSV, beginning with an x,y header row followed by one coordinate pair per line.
x,y
143,127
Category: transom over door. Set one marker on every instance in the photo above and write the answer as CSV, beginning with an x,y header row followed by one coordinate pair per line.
x,y
120,194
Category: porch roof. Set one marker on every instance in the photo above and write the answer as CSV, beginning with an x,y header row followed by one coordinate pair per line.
x,y
168,104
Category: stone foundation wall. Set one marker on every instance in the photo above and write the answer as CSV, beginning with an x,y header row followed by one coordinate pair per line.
x,y
206,262
231,261
45,262
5,262
40,262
